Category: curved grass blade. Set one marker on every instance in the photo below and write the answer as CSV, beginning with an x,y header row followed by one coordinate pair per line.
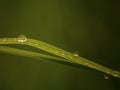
x,y
69,57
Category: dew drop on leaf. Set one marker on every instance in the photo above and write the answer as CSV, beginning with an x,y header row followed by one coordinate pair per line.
x,y
22,38
115,74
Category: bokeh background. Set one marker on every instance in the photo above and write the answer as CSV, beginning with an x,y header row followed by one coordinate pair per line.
x,y
90,27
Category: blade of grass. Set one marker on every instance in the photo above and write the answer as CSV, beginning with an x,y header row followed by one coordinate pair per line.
x,y
67,56
40,56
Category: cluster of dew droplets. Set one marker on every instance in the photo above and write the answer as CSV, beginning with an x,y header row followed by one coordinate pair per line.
x,y
22,38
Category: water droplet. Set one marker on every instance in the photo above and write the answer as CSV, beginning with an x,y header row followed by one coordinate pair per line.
x,y
106,76
76,54
88,65
115,74
22,38
91,66
56,52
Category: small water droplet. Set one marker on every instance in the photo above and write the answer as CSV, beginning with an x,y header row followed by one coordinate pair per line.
x,y
22,38
56,52
88,65
76,54
106,76
115,74
91,66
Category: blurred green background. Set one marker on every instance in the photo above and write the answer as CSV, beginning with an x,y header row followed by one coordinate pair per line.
x,y
90,27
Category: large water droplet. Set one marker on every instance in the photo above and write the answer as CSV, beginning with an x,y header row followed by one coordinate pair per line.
x,y
22,38
76,54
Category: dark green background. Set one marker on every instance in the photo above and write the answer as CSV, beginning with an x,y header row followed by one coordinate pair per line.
x,y
91,27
